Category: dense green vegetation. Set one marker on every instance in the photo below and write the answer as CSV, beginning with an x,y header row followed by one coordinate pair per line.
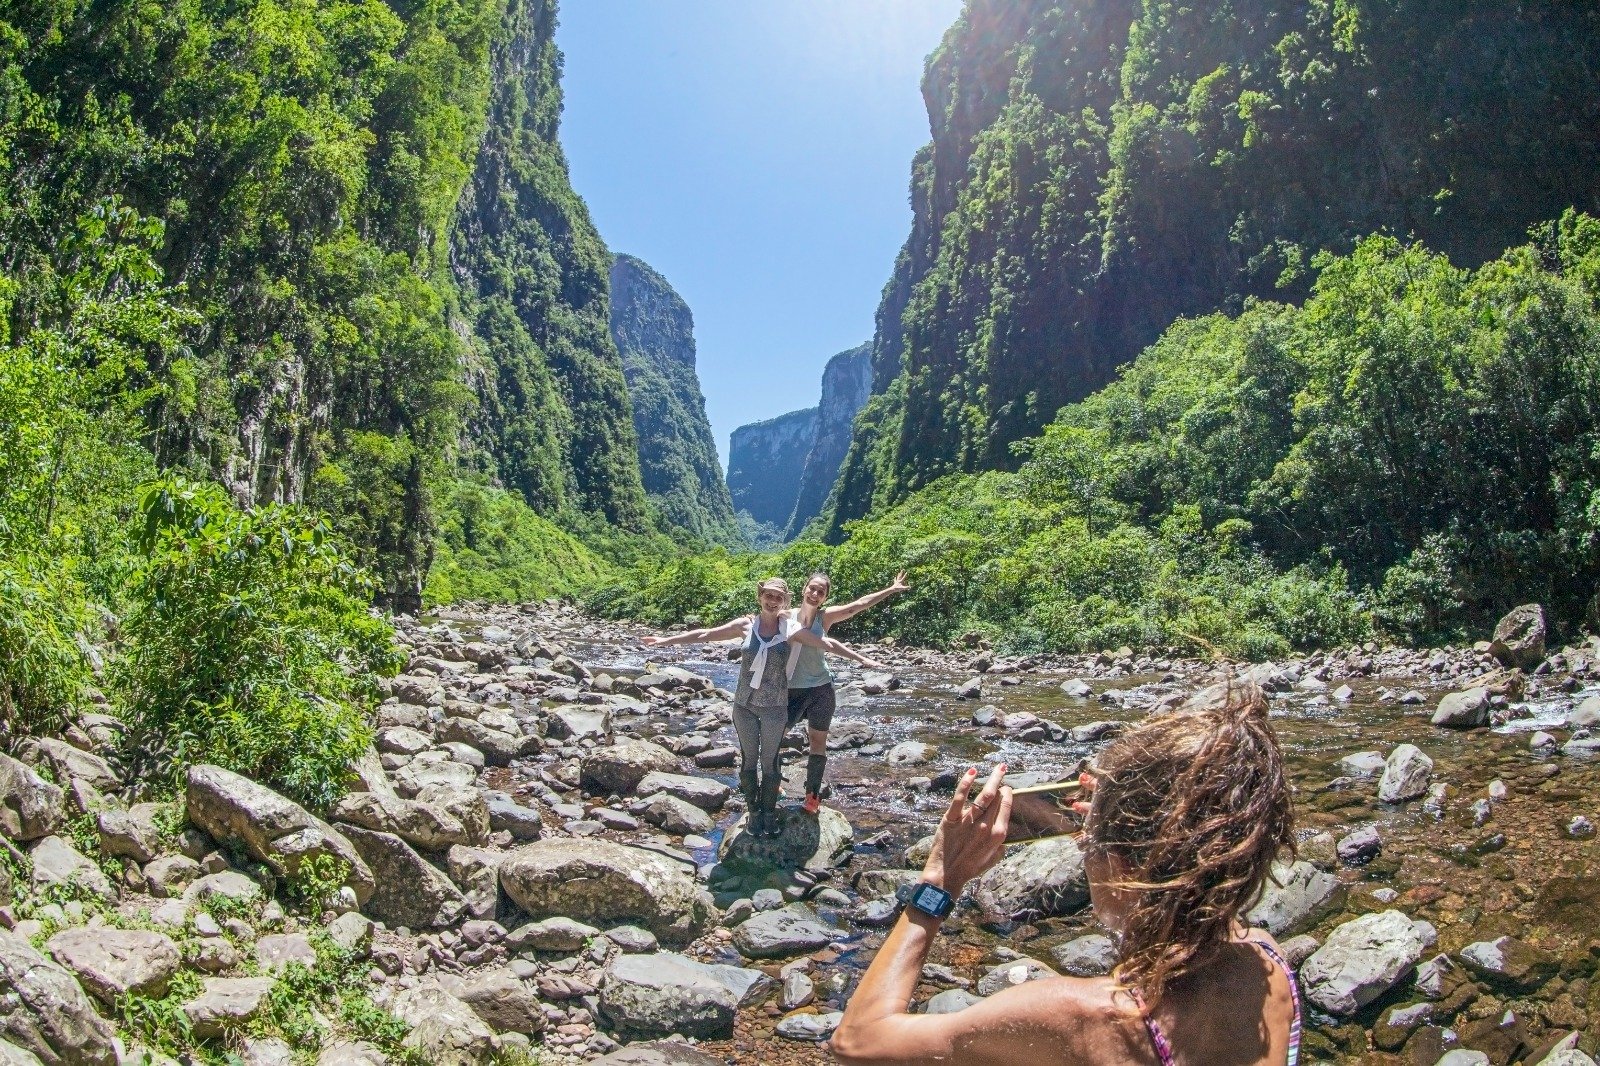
x,y
1099,170
1410,453
654,331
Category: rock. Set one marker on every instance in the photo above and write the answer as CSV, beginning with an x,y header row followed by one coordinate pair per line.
x,y
804,842
1077,689
911,753
1087,956
114,962
403,740
1361,960
798,991
426,825
275,951
669,993
463,803
130,834
67,762
1463,1057
476,871
506,815
784,933
1468,709
1519,637
444,1030
1406,774
1360,846
1584,746
1397,1024
1298,949
1295,898
422,772
703,792
632,940
1564,1052
1042,879
676,816
497,747
351,1053
1508,963
229,884
621,767
659,1053
272,828
1093,732
551,934
1362,764
505,1003
575,722
352,932
1585,715
812,1027
951,1001
12,1055
717,758
409,890
44,1010
602,882
170,875
55,862
227,1004
30,806
1010,974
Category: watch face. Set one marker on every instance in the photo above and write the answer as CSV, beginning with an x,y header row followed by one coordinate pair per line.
x,y
928,898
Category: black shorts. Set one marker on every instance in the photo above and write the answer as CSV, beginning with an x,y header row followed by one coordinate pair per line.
x,y
814,704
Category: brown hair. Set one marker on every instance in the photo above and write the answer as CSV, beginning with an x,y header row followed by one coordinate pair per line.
x,y
823,574
1196,803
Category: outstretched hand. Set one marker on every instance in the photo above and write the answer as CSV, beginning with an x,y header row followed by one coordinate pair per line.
x,y
899,584
652,640
972,834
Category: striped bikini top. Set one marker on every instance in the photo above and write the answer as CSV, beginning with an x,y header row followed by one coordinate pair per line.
x,y
1163,1046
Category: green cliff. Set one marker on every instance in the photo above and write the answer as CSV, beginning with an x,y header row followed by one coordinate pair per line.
x,y
654,331
1099,170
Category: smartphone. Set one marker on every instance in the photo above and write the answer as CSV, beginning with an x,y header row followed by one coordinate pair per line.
x,y
1044,811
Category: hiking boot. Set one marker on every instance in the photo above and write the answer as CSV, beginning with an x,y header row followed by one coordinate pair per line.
x,y
812,804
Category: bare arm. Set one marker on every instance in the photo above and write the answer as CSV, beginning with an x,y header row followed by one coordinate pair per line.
x,y
834,615
726,631
1010,1027
833,647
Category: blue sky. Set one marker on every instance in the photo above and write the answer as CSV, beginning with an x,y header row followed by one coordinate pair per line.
x,y
756,153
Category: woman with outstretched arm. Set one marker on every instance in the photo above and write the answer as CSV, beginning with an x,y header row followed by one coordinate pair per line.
x,y
761,700
811,694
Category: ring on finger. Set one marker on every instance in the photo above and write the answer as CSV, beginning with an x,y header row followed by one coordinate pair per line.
x,y
979,807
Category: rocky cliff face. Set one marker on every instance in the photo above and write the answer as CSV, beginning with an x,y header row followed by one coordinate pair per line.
x,y
765,461
1154,162
654,332
846,384
553,415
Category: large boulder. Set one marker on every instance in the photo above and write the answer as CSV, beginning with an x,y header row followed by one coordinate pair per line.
x,y
675,815
432,768
30,806
131,834
498,747
503,1001
444,1030
116,962
668,993
1043,879
44,1010
58,863
1519,637
803,842
67,762
576,721
782,934
1360,961
409,890
1467,709
1295,898
706,793
623,765
1406,774
272,828
227,1005
426,825
604,884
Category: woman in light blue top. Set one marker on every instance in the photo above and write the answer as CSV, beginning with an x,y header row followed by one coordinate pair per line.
x,y
811,694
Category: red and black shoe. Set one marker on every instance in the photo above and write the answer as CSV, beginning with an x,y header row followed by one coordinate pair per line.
x,y
812,804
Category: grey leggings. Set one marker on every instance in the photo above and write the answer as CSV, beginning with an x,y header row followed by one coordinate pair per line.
x,y
760,732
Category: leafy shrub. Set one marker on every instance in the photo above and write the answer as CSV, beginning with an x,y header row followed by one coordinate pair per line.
x,y
250,646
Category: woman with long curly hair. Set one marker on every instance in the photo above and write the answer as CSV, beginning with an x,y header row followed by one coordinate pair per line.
x,y
1188,812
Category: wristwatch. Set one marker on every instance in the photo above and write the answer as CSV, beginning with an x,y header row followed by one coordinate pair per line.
x,y
931,900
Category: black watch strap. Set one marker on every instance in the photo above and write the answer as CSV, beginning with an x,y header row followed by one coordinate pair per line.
x,y
931,900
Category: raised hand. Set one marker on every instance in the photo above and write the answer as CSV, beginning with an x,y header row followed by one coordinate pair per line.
x,y
899,584
652,640
972,834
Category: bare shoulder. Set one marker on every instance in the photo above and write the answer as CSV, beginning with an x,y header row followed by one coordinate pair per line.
x,y
1055,1020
